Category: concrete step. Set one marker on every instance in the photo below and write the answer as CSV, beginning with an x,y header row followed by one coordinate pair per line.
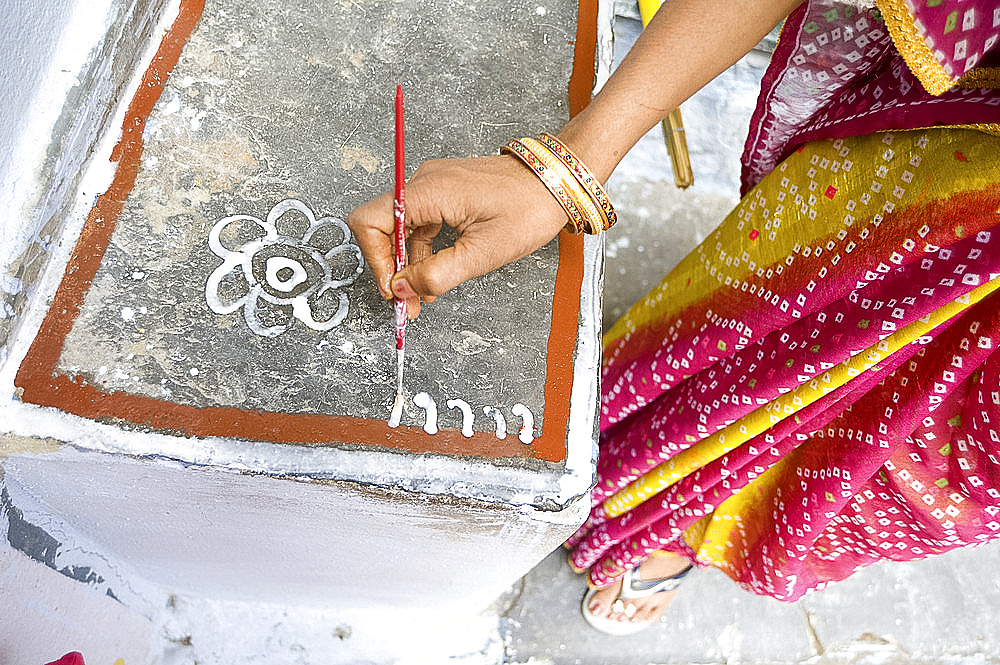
x,y
199,381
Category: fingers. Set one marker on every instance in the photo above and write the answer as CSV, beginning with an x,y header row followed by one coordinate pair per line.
x,y
402,289
481,249
433,276
499,208
373,228
421,248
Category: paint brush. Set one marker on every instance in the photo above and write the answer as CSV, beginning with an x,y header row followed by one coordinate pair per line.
x,y
399,216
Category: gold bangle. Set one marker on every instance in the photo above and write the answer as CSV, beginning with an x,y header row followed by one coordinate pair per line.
x,y
593,219
587,179
552,181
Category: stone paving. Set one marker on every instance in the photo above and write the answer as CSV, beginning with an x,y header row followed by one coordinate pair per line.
x,y
936,611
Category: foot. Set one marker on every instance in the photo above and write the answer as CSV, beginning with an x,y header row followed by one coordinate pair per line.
x,y
605,602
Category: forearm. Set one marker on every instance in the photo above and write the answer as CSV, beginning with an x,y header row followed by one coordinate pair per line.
x,y
686,45
499,209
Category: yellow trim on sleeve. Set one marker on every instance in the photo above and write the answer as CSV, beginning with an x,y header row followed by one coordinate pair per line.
x,y
911,45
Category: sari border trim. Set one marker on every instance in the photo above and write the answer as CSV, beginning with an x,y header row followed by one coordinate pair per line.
x,y
988,127
912,46
980,77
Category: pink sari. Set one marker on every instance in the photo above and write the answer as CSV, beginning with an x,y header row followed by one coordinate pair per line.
x,y
817,386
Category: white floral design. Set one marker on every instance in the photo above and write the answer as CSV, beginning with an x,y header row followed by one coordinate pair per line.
x,y
276,278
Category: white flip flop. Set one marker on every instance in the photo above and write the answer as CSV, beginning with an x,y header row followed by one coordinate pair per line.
x,y
632,588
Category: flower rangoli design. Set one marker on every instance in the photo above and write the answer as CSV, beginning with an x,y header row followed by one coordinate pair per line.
x,y
276,277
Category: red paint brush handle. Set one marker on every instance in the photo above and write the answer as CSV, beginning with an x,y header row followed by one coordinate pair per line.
x,y
399,214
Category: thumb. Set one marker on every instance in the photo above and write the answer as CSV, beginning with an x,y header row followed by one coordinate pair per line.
x,y
431,277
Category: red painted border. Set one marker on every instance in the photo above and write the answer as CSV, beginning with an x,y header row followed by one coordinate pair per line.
x,y
40,382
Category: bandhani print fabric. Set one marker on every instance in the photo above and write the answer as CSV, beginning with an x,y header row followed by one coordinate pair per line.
x,y
836,72
817,386
797,400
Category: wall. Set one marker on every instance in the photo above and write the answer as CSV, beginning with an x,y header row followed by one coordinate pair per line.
x,y
72,61
47,615
249,537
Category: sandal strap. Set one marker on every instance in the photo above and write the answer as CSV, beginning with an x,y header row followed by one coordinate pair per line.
x,y
633,587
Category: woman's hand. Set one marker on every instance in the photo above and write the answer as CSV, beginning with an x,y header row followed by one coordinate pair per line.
x,y
500,209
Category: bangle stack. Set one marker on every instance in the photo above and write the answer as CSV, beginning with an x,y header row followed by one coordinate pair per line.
x,y
568,179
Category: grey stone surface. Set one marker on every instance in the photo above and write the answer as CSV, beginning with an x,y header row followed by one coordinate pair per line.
x,y
939,610
269,106
711,621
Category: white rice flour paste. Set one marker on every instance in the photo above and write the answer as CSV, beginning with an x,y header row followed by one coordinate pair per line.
x,y
467,415
526,432
426,402
297,272
498,418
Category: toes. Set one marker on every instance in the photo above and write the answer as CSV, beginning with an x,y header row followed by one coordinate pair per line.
x,y
624,611
604,602
649,613
653,611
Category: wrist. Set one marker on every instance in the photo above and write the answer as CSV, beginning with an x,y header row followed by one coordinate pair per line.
x,y
601,144
570,181
591,147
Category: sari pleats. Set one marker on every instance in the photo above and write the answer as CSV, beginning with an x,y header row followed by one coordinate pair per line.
x,y
806,393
